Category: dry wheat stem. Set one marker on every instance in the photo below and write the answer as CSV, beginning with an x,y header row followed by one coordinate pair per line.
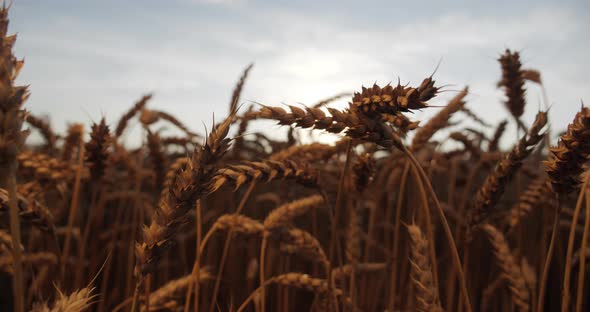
x,y
243,226
73,208
583,248
549,257
429,225
446,228
280,217
396,231
570,248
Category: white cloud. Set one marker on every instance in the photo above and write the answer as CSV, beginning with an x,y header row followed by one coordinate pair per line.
x,y
217,2
299,58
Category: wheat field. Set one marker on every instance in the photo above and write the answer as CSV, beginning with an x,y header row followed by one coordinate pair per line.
x,y
389,217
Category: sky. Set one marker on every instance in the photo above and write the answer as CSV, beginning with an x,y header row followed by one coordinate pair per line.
x,y
89,59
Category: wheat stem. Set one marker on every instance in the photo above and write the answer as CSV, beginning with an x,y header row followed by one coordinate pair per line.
x,y
446,228
582,269
570,248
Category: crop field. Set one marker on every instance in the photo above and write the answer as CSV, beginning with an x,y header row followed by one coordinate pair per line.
x,y
397,214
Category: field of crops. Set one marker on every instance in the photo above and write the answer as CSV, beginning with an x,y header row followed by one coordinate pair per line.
x,y
389,217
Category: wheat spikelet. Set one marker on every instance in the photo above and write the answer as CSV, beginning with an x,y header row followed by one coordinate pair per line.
x,y
566,159
243,123
188,185
421,272
137,107
531,75
354,125
352,249
564,168
513,83
479,135
537,192
439,121
97,149
5,239
268,170
238,223
173,140
45,168
391,100
474,117
511,270
235,98
179,164
495,141
303,281
347,269
175,289
297,241
34,259
494,185
171,119
467,143
77,301
363,170
148,117
321,303
45,130
529,275
12,98
30,210
284,214
157,158
72,140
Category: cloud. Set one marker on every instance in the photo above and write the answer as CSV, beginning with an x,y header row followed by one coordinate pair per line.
x,y
192,62
226,3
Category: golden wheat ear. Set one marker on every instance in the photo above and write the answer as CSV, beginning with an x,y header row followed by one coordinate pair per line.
x,y
489,194
427,298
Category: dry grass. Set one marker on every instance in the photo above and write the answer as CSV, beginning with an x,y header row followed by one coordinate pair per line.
x,y
246,222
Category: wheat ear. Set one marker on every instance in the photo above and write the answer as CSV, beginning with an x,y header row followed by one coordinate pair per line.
x,y
427,298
